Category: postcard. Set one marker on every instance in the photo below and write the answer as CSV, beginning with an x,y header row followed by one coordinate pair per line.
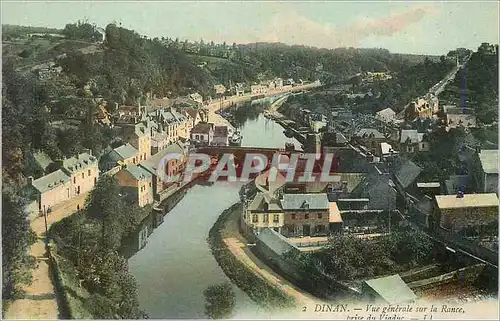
x,y
328,160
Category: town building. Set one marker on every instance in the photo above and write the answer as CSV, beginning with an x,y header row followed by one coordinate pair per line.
x,y
43,161
195,116
239,89
387,290
258,89
455,184
310,215
102,115
484,171
411,141
166,126
272,247
76,175
386,151
139,136
220,89
51,189
332,141
370,138
123,155
136,183
418,108
459,212
197,97
185,102
221,136
202,134
460,119
386,115
161,169
126,114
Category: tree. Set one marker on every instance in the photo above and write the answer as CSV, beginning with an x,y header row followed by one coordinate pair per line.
x,y
17,236
105,205
220,301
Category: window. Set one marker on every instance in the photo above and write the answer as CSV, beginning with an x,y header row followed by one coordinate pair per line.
x,y
89,173
83,175
306,216
266,217
74,180
320,229
320,215
149,184
293,216
255,218
276,218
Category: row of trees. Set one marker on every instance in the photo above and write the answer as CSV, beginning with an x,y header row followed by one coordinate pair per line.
x,y
82,30
17,236
91,240
350,258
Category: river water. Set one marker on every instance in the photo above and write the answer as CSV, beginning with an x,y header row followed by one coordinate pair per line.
x,y
176,265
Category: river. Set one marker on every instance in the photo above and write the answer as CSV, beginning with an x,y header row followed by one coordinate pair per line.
x,y
176,265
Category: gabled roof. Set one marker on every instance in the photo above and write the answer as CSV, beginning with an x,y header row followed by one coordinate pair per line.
x,y
489,161
137,172
407,172
79,162
42,159
392,289
202,128
276,242
411,136
220,131
277,180
468,200
367,132
50,181
151,164
305,201
334,214
124,152
192,112
386,113
455,183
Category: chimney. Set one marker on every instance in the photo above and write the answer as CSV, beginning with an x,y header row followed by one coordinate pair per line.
x,y
344,186
30,180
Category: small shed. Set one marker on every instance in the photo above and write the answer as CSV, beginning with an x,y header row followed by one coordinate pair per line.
x,y
390,289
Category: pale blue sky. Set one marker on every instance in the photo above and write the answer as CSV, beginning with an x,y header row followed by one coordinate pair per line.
x,y
406,27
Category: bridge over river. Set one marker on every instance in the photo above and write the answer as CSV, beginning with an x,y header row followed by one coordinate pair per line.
x,y
176,265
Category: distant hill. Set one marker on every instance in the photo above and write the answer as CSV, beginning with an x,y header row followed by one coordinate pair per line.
x,y
17,31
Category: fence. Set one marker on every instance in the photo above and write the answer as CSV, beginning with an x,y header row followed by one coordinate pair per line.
x,y
471,246
467,274
60,285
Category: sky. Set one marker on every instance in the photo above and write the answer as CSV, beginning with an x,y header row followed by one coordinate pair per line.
x,y
401,27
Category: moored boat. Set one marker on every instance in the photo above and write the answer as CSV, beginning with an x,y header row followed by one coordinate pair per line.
x,y
235,140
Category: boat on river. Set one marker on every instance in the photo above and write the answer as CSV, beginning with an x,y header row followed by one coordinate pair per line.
x,y
236,139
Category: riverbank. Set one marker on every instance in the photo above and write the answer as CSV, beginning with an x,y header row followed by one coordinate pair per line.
x,y
225,237
40,298
230,101
257,288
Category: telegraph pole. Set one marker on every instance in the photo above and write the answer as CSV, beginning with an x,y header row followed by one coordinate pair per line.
x,y
46,228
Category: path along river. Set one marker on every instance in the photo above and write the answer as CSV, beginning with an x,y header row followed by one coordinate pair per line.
x,y
176,265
